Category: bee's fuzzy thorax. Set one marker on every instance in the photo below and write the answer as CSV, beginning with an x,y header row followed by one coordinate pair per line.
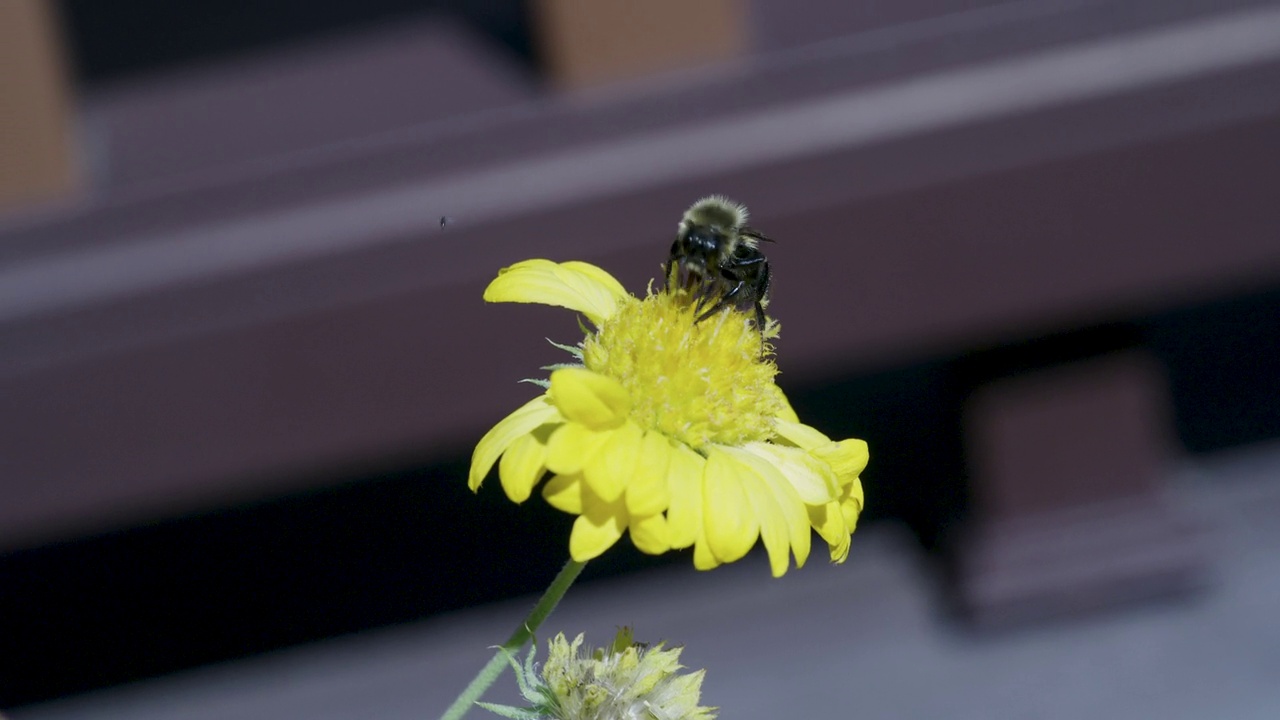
x,y
715,210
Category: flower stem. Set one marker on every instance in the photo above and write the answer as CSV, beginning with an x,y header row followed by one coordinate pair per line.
x,y
490,672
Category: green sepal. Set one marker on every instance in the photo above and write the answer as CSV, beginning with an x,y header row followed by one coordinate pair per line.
x,y
574,350
508,711
560,366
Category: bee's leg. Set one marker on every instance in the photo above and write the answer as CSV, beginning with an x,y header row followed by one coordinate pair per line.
x,y
721,304
714,309
672,265
703,297
706,291
762,293
760,327
676,276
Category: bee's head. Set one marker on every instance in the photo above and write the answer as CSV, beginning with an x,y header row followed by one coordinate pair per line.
x,y
701,240
709,230
709,226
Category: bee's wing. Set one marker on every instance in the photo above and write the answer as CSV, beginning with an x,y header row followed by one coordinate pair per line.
x,y
754,234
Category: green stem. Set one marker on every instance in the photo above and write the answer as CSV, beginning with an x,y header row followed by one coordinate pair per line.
x,y
490,672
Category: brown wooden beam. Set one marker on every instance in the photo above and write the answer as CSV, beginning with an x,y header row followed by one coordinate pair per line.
x,y
586,43
39,158
1068,470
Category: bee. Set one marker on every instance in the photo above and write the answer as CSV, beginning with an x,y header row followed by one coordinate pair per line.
x,y
716,257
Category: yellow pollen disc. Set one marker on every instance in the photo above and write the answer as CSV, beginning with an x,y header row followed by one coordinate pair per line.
x,y
700,383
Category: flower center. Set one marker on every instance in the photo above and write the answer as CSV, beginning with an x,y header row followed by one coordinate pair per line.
x,y
701,383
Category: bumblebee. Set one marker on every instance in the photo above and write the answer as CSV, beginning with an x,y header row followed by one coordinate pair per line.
x,y
716,257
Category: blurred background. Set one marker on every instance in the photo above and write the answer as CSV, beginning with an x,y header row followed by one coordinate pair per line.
x,y
1028,249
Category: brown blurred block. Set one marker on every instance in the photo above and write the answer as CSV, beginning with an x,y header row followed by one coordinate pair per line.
x,y
1068,471
37,159
592,42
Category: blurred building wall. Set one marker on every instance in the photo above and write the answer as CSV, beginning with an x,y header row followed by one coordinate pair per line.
x,y
256,301
38,159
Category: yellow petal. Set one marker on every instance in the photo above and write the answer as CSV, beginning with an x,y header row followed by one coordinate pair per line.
x,y
575,285
596,529
848,458
597,275
648,494
703,558
684,483
597,401
564,492
609,471
571,446
799,434
495,442
813,479
788,501
840,550
522,466
732,527
773,524
797,516
649,534
786,413
851,504
828,520
850,511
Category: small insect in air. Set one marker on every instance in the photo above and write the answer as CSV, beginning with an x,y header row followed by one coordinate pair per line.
x,y
445,221
716,256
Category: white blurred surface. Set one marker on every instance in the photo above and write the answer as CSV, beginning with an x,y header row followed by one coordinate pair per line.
x,y
863,640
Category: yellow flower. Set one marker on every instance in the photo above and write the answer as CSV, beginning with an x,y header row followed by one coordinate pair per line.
x,y
669,429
